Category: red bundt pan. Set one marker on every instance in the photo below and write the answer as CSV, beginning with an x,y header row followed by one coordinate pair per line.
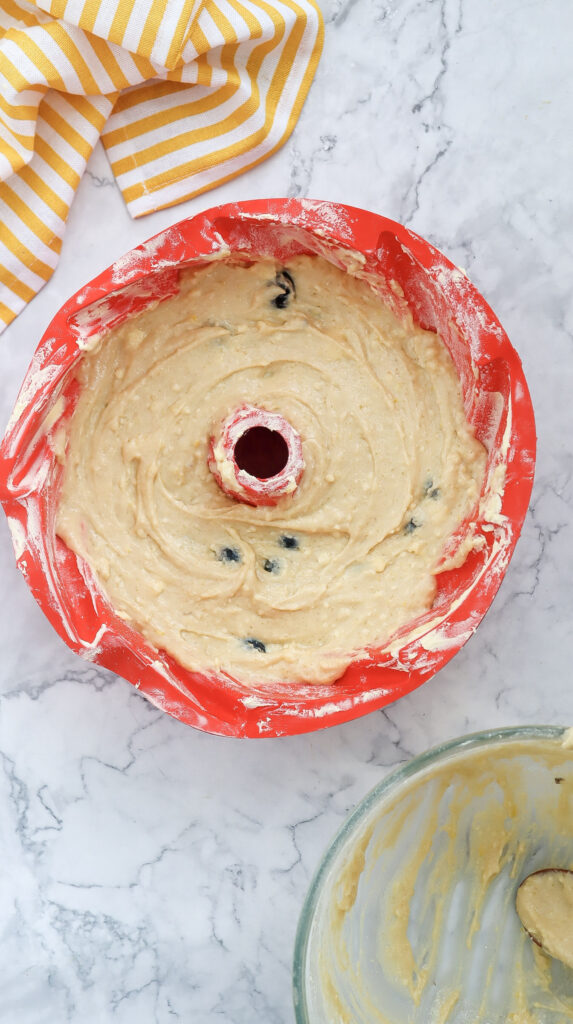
x,y
497,403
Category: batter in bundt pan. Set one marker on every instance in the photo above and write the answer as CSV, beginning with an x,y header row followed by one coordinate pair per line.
x,y
261,473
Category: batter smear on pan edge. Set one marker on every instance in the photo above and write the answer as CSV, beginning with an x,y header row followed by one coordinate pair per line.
x,y
297,590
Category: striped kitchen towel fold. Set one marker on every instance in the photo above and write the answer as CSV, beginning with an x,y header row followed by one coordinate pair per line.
x,y
185,94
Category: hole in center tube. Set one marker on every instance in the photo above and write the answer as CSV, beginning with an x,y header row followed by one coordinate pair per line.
x,y
261,452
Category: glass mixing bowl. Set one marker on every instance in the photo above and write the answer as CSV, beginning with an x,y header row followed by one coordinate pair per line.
x,y
410,918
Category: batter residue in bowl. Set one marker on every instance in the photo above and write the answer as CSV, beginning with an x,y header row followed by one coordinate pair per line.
x,y
417,922
391,468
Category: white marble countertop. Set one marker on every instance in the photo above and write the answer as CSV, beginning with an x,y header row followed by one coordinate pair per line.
x,y
151,873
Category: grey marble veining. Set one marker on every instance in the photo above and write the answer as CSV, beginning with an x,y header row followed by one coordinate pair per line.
x,y
151,873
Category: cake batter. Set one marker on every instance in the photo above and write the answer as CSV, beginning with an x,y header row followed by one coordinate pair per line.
x,y
418,921
296,591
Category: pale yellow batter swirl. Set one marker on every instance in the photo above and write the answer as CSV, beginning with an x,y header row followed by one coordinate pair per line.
x,y
416,920
295,591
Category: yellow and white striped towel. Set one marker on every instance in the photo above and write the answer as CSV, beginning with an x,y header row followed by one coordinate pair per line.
x,y
186,94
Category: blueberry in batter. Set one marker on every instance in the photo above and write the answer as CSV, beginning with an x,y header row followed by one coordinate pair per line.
x,y
230,555
286,541
287,292
257,645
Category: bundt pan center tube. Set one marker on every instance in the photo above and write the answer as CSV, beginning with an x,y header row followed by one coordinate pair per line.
x,y
257,458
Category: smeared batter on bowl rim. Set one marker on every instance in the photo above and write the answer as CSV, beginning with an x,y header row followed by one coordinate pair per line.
x,y
418,922
392,468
